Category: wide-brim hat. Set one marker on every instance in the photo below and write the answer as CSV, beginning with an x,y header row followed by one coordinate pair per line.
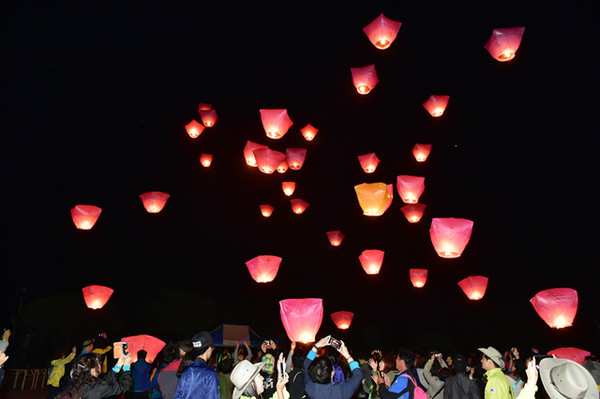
x,y
242,375
563,378
492,353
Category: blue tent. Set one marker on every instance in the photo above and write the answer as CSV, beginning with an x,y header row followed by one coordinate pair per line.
x,y
231,334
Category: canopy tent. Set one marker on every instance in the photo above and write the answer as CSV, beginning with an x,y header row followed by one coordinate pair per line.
x,y
231,334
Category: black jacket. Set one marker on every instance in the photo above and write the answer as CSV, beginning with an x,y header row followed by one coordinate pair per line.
x,y
108,386
461,387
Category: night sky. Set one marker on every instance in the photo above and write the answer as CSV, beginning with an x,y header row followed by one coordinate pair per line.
x,y
94,103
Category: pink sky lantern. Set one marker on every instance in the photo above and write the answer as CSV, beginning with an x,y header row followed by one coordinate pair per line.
x,y
309,132
299,205
413,212
249,152
283,167
209,117
295,157
371,260
374,198
436,105
154,201
368,162
335,237
301,318
288,187
342,319
556,306
85,216
474,287
276,122
204,107
206,160
268,160
418,277
410,188
148,343
194,129
382,31
266,210
574,354
450,236
264,268
96,296
421,152
364,79
504,43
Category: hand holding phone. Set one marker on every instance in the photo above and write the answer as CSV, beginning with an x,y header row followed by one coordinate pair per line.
x,y
336,343
120,349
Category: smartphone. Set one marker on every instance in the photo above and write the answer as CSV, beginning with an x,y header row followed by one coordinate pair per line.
x,y
281,369
336,343
120,349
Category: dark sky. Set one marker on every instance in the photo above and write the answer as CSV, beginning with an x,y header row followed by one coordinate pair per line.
x,y
94,103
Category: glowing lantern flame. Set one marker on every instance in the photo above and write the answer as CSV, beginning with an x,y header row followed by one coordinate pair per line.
x,y
194,129
450,236
504,43
418,277
85,216
368,162
283,167
148,343
342,319
266,210
301,318
276,122
436,105
204,107
364,78
474,287
96,296
556,306
206,160
288,187
295,157
209,118
374,198
382,31
154,201
268,160
264,268
335,237
413,212
299,205
249,152
371,260
421,152
410,188
574,354
309,132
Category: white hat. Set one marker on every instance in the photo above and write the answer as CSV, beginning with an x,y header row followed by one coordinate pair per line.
x,y
492,353
242,375
563,378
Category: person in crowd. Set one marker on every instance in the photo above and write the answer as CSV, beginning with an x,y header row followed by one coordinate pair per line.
x,y
3,347
563,378
460,386
592,365
269,371
242,353
140,371
420,361
159,363
199,380
224,368
89,346
497,386
334,356
436,371
515,370
167,378
295,371
58,371
404,385
248,382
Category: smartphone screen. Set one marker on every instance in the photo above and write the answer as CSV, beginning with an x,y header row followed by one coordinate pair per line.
x,y
117,349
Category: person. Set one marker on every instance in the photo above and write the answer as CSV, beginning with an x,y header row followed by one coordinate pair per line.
x,y
140,371
199,380
460,386
224,368
248,382
515,370
268,371
497,386
167,378
563,378
240,354
592,365
435,372
89,346
3,347
295,386
58,371
404,385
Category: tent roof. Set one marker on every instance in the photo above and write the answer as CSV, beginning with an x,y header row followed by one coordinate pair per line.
x,y
231,334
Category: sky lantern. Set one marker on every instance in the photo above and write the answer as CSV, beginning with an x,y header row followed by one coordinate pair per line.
x,y
371,260
450,236
276,122
421,152
96,296
364,78
148,343
418,277
574,354
194,129
474,287
301,318
368,162
85,216
154,201
209,117
264,268
299,205
504,43
268,160
266,210
335,237
309,132
410,188
436,105
382,31
556,306
413,212
295,157
288,187
249,152
373,198
342,319
206,160
283,167
204,107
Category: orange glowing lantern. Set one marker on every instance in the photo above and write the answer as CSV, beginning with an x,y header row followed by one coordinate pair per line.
x,y
288,187
410,188
368,162
574,354
436,105
276,122
371,260
194,129
295,157
413,212
301,318
342,319
504,43
264,268
206,160
209,117
204,107
364,78
450,236
474,287
309,132
335,237
283,167
421,152
154,201
418,277
144,342
249,152
266,210
268,160
96,296
299,205
85,216
382,31
556,306
373,198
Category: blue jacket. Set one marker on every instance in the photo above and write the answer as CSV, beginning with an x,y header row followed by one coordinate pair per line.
x,y
333,390
199,381
140,372
401,388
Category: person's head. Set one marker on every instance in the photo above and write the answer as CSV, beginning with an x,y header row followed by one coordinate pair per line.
x,y
332,354
242,353
185,346
321,370
491,358
203,345
247,380
298,360
225,365
404,359
460,364
170,352
87,345
86,370
443,373
388,363
60,354
141,355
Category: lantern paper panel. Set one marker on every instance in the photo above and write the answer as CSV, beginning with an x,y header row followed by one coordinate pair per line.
x,y
474,287
413,212
373,198
364,78
282,167
504,43
85,216
301,318
266,210
309,132
342,319
268,160
410,188
299,205
418,277
288,187
194,129
206,160
371,260
295,157
574,354
276,122
382,31
96,296
556,306
209,117
249,152
335,237
148,343
204,107
154,201
436,105
450,236
264,268
368,162
421,152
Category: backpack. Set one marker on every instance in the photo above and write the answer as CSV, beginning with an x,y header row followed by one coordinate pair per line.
x,y
419,393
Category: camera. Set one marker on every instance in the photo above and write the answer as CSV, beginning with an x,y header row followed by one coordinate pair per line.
x,y
269,344
336,343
